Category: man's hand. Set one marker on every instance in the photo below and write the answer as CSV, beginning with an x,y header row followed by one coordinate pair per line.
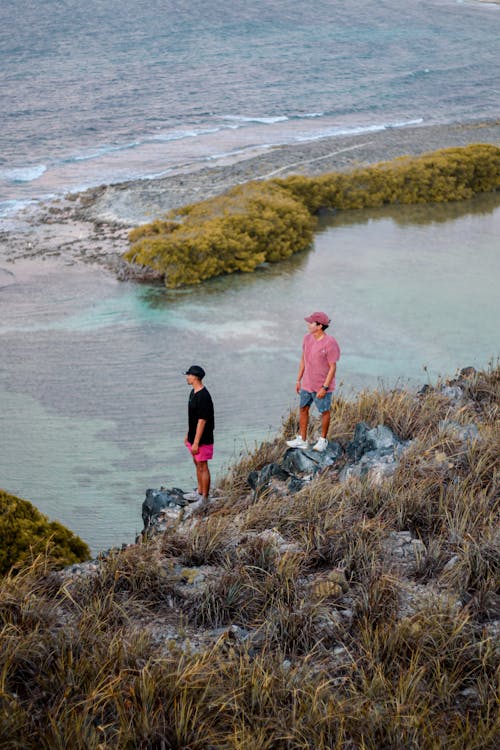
x,y
195,448
297,386
321,393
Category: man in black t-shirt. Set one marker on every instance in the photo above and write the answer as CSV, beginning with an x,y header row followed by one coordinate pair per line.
x,y
200,435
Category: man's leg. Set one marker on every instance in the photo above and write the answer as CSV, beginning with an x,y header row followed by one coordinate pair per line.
x,y
198,489
325,423
203,476
303,421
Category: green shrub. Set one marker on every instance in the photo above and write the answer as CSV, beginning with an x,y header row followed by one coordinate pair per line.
x,y
447,175
250,224
25,532
268,221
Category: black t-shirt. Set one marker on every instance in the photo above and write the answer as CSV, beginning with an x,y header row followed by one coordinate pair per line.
x,y
201,407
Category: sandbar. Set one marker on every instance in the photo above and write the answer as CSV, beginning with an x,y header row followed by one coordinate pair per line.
x,y
92,226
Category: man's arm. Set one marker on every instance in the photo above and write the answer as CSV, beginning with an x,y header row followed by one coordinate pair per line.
x,y
328,379
301,373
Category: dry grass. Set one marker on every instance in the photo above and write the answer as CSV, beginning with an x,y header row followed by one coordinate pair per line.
x,y
299,636
234,485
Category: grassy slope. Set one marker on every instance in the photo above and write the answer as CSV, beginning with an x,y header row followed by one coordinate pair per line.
x,y
283,622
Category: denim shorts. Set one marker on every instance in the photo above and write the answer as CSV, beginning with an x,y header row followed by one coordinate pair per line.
x,y
322,404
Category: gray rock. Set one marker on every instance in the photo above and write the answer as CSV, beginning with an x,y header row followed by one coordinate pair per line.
x,y
295,461
375,451
403,549
257,479
371,465
281,545
453,392
466,433
158,500
451,564
347,615
298,461
295,484
365,440
357,446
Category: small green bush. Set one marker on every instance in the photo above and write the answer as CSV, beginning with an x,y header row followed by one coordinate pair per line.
x,y
25,532
268,221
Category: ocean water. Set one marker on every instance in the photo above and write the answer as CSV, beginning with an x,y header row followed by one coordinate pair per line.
x,y
106,90
93,405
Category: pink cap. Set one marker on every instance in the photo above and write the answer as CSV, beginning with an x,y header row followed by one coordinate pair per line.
x,y
318,317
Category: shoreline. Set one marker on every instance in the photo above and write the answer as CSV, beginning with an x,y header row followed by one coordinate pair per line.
x,y
92,226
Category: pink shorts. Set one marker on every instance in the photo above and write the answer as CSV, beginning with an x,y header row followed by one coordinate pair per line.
x,y
205,453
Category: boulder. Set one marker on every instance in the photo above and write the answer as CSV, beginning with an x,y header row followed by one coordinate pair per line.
x,y
257,479
380,438
158,500
375,452
374,465
298,461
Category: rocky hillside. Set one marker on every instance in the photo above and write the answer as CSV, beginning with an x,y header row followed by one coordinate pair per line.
x,y
348,600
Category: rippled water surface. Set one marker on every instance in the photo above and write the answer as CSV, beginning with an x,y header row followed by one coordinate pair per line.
x,y
92,399
108,90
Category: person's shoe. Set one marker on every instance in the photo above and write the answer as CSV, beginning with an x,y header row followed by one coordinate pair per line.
x,y
321,445
297,442
192,497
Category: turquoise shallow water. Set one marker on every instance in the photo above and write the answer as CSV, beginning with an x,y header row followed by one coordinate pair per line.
x,y
92,399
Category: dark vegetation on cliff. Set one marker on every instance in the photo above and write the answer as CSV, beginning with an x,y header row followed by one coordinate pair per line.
x,y
270,220
25,533
284,622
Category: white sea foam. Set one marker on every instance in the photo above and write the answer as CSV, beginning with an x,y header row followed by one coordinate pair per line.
x,y
176,135
7,208
263,120
355,130
103,150
270,120
179,135
236,151
23,174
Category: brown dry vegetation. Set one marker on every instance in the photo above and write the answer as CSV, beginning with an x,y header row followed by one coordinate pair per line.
x,y
280,622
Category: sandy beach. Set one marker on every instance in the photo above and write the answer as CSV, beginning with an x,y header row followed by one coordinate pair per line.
x,y
92,226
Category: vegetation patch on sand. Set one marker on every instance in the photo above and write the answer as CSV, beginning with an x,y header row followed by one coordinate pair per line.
x,y
270,220
284,622
248,225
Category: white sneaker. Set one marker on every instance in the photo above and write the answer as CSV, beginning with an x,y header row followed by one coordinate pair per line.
x,y
321,445
297,442
192,497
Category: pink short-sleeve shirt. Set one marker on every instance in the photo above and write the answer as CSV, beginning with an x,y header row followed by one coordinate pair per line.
x,y
318,357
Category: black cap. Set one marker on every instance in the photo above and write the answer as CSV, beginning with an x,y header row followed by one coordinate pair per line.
x,y
197,371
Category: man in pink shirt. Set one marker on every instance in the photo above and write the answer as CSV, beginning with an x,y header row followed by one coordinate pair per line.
x,y
316,378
